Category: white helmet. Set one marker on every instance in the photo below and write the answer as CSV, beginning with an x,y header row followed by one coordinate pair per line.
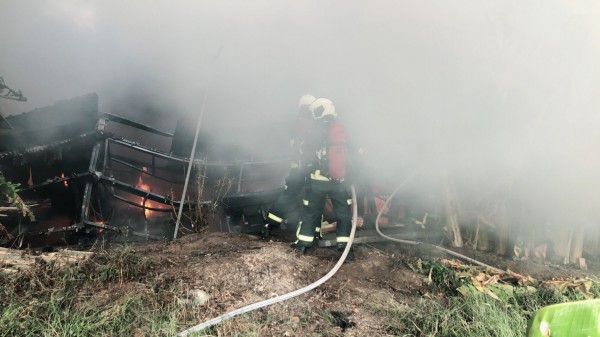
x,y
322,107
306,100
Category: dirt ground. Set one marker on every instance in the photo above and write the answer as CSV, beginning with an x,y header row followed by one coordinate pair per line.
x,y
238,269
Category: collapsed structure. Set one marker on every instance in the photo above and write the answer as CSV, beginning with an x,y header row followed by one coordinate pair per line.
x,y
82,180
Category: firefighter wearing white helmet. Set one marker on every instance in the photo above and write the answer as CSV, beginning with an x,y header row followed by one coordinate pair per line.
x,y
290,199
325,149
322,108
305,101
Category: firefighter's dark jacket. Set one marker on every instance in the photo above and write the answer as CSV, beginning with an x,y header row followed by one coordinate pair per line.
x,y
298,134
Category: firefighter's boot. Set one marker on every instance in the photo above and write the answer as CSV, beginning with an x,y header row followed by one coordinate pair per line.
x,y
318,237
340,248
296,248
266,231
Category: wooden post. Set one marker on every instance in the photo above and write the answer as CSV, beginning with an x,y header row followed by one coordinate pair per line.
x,y
483,240
502,232
452,225
577,245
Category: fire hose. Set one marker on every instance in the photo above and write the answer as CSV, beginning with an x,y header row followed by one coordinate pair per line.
x,y
337,266
411,242
292,294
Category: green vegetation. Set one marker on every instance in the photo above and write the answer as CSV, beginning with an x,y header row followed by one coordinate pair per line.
x,y
8,190
117,293
445,312
97,298
471,316
9,197
126,293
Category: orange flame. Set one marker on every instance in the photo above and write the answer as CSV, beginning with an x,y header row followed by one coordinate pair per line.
x,y
62,175
140,184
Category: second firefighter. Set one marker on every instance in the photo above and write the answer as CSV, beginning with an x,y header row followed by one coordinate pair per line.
x,y
325,150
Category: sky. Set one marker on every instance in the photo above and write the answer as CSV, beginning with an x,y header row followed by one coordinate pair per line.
x,y
495,93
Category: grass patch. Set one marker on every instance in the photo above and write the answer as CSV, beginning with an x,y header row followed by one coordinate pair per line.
x,y
125,293
98,298
444,312
116,293
477,315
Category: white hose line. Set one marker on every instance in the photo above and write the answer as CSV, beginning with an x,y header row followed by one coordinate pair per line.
x,y
292,294
411,242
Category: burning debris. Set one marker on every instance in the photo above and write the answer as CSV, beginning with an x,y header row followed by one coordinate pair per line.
x,y
83,181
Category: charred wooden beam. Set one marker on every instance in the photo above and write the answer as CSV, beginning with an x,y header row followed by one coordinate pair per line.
x,y
64,120
160,154
123,230
118,159
154,209
134,124
87,194
148,235
89,135
120,230
149,195
56,180
80,227
154,152
245,199
72,228
105,225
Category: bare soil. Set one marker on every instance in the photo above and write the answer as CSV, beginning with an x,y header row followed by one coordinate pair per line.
x,y
237,270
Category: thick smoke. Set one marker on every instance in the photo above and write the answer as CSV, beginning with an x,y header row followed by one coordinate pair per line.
x,y
500,95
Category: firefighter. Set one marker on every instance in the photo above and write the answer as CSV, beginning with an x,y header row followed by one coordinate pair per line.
x,y
290,199
325,148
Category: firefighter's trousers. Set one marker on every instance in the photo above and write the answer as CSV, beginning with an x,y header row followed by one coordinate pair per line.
x,y
289,199
314,203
